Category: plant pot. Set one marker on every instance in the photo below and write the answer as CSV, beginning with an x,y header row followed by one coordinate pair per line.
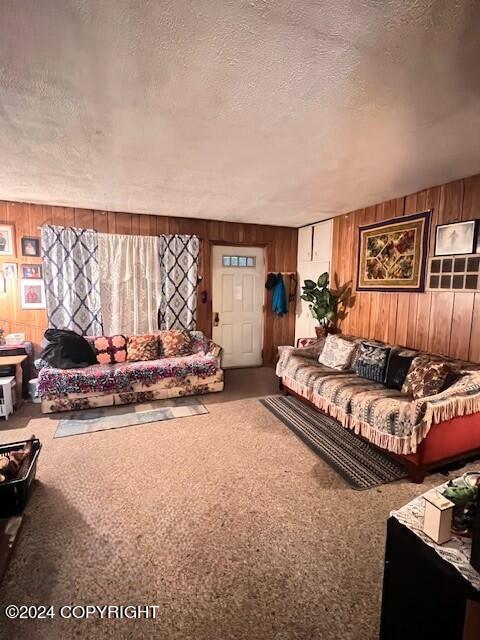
x,y
322,331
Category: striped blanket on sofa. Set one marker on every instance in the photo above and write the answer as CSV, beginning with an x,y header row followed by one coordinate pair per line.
x,y
385,417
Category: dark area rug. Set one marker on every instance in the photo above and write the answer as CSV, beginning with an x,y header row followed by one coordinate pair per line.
x,y
361,464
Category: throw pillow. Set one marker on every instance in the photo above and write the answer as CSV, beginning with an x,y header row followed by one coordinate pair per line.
x,y
142,347
372,361
337,353
398,367
110,349
175,343
427,377
313,350
199,343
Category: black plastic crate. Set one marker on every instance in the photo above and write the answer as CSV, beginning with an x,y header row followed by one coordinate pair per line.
x,y
14,493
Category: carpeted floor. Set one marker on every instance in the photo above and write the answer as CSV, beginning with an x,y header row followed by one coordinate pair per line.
x,y
226,521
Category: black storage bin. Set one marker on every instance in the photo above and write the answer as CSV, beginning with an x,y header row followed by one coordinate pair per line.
x,y
475,556
14,494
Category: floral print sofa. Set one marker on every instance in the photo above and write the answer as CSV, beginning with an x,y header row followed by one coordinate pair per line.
x,y
196,370
419,431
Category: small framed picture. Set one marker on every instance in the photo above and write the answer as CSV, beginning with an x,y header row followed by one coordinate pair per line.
x,y
32,294
7,240
29,271
455,239
30,246
3,284
10,270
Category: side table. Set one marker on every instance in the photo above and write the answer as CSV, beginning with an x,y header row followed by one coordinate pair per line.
x,y
21,349
15,361
430,591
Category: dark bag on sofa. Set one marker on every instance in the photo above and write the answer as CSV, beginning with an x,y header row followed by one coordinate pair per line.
x,y
67,350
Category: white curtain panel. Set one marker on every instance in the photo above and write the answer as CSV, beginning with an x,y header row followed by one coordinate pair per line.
x,y
179,269
130,287
71,276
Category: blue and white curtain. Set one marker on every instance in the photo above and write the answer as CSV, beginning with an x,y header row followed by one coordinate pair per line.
x,y
71,276
110,283
178,273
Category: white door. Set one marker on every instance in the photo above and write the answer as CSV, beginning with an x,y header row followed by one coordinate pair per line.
x,y
237,304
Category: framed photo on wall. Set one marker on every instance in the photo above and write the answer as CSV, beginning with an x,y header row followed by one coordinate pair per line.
x,y
7,240
392,254
32,294
30,246
29,271
455,239
10,270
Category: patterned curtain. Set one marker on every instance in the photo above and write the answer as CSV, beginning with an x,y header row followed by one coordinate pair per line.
x,y
130,286
70,272
178,269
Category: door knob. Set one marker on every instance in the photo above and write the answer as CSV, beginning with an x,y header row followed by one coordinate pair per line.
x,y
216,319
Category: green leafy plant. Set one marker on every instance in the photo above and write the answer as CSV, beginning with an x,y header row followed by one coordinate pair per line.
x,y
324,302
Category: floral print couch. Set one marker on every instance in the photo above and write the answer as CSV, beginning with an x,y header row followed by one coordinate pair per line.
x,y
195,370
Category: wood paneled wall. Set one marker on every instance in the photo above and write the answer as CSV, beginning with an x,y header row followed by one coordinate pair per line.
x,y
280,246
447,323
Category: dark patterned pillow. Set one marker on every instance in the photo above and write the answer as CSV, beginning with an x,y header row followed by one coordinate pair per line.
x,y
109,349
174,343
142,347
372,361
427,377
398,366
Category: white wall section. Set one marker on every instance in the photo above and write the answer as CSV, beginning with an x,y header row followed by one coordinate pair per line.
x,y
319,238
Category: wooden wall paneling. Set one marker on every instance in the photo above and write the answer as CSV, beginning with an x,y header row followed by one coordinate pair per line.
x,y
440,322
280,243
474,350
100,221
443,322
461,326
83,218
471,198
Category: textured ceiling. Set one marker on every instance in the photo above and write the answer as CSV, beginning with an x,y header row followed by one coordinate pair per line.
x,y
268,111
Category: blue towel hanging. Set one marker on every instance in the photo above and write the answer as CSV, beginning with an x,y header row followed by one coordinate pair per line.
x,y
279,301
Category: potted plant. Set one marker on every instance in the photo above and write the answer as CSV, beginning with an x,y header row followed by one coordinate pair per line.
x,y
324,302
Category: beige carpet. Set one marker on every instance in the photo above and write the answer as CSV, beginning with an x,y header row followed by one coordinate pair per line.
x,y
226,521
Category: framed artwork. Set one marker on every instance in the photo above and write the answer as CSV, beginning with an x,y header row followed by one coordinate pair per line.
x,y
7,240
29,271
455,239
30,246
10,270
32,294
3,284
392,254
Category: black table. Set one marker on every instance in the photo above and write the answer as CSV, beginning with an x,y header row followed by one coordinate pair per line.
x,y
424,596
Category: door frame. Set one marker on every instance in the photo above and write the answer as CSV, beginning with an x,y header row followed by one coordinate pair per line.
x,y
208,266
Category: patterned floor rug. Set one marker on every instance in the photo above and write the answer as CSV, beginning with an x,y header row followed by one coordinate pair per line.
x,y
89,420
359,463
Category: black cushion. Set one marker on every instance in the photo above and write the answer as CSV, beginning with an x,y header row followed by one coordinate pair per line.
x,y
397,369
372,361
67,350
